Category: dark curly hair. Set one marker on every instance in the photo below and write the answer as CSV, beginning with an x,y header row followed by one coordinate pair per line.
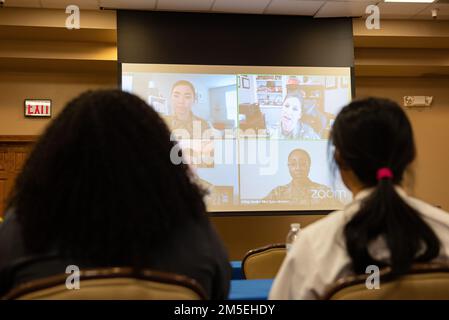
x,y
99,185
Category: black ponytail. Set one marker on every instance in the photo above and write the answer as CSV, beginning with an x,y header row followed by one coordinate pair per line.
x,y
371,134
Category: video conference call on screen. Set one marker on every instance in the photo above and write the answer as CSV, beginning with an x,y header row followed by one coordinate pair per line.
x,y
256,137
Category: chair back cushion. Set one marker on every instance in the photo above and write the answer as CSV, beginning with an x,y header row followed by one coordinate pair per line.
x,y
263,263
115,289
112,284
425,281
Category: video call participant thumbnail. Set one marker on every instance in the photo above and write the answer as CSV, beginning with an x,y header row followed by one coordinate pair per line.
x,y
301,190
290,125
215,195
183,121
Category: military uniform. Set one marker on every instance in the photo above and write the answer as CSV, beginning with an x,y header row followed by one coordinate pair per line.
x,y
301,131
188,126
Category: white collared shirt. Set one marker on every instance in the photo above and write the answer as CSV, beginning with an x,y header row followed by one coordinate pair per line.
x,y
319,257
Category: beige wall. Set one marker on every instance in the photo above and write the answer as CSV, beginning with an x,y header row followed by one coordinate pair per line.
x,y
60,88
41,59
431,129
241,234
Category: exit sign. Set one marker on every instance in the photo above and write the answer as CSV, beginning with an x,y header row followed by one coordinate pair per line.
x,y
37,108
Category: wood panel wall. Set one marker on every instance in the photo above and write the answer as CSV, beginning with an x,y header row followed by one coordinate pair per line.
x,y
13,153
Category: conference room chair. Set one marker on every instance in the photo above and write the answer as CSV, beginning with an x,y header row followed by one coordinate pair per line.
x,y
264,262
112,284
425,281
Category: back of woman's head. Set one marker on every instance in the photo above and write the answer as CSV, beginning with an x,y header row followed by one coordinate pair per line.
x,y
369,135
99,185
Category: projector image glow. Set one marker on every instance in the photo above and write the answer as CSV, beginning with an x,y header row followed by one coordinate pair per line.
x,y
242,155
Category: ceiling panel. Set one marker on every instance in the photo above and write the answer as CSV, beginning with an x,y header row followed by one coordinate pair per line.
x,y
128,4
240,6
82,4
400,10
23,3
321,8
343,9
183,5
295,7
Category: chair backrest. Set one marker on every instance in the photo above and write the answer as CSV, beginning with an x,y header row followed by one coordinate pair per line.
x,y
112,284
423,282
264,262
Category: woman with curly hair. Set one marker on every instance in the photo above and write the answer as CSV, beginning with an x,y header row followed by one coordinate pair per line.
x,y
100,190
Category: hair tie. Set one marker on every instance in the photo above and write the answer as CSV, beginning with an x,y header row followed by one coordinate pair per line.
x,y
384,173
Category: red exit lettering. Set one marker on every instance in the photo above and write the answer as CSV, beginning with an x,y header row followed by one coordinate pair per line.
x,y
37,108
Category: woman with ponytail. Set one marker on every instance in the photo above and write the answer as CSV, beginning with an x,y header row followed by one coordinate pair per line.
x,y
383,226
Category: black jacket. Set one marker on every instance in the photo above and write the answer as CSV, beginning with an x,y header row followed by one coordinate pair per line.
x,y
194,250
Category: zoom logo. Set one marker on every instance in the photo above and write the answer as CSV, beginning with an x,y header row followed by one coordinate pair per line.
x,y
328,194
